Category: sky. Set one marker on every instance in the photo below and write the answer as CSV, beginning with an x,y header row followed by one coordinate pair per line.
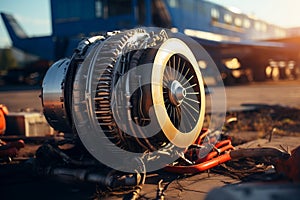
x,y
35,17
285,13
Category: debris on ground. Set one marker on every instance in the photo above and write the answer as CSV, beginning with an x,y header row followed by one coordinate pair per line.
x,y
263,127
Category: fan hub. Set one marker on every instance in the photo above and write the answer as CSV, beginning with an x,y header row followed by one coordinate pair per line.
x,y
177,93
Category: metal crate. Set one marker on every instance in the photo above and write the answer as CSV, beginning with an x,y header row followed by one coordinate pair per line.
x,y
27,124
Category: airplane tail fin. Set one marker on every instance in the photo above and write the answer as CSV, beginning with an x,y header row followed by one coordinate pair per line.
x,y
14,29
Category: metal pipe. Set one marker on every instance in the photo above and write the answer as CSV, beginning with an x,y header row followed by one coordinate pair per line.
x,y
109,180
233,154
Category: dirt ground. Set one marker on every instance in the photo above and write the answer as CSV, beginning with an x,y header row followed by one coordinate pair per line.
x,y
265,126
264,121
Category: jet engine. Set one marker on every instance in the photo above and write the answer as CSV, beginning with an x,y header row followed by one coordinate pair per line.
x,y
122,99
131,82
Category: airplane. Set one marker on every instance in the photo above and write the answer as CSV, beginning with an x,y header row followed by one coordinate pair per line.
x,y
228,35
32,45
